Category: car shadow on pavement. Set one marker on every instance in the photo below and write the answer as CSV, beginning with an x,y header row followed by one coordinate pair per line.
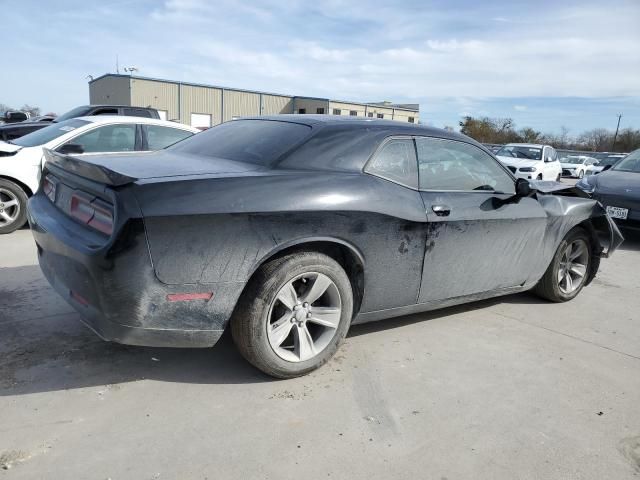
x,y
631,240
45,347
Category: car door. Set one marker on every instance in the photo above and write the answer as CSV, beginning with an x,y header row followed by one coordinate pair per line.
x,y
477,240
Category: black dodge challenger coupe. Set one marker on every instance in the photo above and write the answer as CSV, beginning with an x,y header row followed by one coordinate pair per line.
x,y
292,228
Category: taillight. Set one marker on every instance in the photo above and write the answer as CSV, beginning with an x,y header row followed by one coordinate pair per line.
x,y
91,211
49,188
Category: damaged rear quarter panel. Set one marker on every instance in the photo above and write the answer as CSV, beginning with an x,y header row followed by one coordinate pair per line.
x,y
235,223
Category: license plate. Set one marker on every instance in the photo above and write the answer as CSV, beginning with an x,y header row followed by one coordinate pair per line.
x,y
617,212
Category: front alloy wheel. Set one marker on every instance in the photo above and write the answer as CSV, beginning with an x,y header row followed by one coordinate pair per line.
x,y
568,271
572,268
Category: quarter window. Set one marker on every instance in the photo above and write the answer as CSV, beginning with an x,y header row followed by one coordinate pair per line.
x,y
396,161
110,138
451,165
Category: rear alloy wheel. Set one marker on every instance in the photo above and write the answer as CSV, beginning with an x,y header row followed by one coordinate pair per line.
x,y
569,268
580,173
13,203
294,314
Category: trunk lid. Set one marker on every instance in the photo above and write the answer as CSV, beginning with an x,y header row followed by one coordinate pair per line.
x,y
124,168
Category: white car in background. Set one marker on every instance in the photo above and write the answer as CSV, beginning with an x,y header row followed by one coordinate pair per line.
x,y
578,166
531,161
21,159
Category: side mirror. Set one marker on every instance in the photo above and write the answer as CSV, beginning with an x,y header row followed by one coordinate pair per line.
x,y
606,167
72,148
523,188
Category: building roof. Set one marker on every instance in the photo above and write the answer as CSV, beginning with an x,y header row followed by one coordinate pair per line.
x,y
406,107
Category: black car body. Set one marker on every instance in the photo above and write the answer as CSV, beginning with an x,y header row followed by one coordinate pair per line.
x,y
198,220
12,131
618,189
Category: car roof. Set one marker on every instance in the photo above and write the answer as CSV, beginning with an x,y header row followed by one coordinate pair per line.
x,y
127,119
532,145
348,122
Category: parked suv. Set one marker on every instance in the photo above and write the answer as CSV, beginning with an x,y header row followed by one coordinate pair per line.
x,y
531,161
11,131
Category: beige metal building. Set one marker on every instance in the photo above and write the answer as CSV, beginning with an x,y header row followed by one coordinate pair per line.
x,y
207,105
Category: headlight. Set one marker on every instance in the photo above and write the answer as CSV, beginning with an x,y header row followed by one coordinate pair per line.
x,y
585,186
528,169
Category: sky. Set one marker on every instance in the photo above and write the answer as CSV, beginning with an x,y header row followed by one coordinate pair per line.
x,y
546,64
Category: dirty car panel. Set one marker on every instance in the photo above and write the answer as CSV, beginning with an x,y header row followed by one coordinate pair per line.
x,y
205,230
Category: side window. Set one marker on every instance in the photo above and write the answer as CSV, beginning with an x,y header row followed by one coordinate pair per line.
x,y
137,112
105,111
109,138
452,165
161,137
396,161
554,154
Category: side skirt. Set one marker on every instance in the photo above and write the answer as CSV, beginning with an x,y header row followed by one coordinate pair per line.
x,y
437,304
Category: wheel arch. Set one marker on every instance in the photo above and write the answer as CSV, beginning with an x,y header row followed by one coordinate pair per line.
x,y
22,185
346,254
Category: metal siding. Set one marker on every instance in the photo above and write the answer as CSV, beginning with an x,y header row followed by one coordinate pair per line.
x,y
346,108
110,91
201,100
311,104
159,95
274,104
240,104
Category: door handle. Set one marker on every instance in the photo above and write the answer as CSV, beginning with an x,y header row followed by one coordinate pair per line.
x,y
441,210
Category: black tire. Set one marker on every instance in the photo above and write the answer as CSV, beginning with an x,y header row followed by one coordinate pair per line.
x,y
249,321
558,178
580,174
549,286
539,177
21,197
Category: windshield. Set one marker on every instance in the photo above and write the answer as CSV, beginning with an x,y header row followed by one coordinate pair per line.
x,y
76,112
609,160
630,163
574,160
46,134
252,141
518,151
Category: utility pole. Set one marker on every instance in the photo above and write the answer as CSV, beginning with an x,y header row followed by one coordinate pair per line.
x,y
613,147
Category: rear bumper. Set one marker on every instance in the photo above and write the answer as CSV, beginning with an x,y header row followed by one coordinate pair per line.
x,y
114,288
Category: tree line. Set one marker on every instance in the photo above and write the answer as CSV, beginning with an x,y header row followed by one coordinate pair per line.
x,y
503,130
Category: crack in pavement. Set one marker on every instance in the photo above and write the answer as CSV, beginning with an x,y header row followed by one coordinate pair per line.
x,y
569,335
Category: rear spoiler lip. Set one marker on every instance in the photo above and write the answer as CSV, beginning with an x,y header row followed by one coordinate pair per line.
x,y
82,168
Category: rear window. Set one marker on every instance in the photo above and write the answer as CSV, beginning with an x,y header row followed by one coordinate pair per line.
x,y
76,112
252,141
46,134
